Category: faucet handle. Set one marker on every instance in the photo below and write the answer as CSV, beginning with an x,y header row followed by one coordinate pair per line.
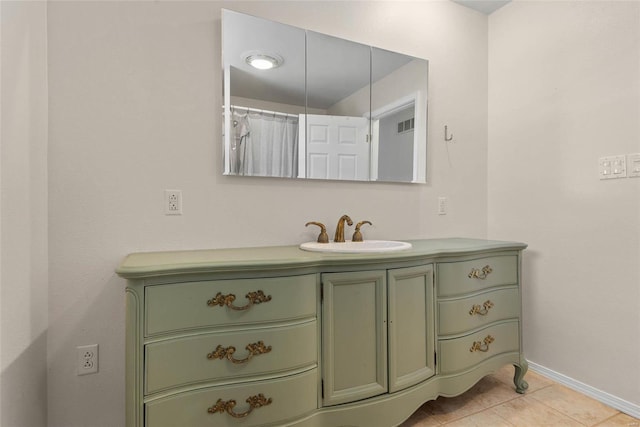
x,y
323,237
357,235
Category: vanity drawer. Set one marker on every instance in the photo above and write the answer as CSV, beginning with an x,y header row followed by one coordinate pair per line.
x,y
463,352
192,305
193,359
462,277
462,314
291,397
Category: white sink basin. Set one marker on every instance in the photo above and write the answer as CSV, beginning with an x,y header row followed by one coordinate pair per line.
x,y
368,246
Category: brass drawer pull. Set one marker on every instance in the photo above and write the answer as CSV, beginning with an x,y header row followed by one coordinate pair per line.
x,y
482,310
253,297
254,349
254,402
476,273
482,345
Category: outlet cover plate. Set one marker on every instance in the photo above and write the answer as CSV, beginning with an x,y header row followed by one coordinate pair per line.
x,y
87,359
172,202
633,165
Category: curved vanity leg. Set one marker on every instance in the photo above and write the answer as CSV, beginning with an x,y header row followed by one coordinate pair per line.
x,y
518,377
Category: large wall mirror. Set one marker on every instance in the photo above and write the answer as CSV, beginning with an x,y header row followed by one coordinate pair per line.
x,y
300,104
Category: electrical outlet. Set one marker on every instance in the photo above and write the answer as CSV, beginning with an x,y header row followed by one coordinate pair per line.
x,y
172,202
87,359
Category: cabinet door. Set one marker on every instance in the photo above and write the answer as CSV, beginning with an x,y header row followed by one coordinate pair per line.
x,y
411,326
354,336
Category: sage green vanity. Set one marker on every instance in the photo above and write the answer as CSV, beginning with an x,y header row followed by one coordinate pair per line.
x,y
278,336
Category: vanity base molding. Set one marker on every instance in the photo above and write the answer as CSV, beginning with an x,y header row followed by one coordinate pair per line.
x,y
282,337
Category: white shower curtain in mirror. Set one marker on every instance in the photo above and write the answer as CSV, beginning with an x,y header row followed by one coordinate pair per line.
x,y
266,144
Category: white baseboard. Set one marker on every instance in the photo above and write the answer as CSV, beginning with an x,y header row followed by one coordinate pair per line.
x,y
601,396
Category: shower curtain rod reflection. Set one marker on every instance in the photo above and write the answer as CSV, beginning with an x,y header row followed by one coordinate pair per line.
x,y
256,110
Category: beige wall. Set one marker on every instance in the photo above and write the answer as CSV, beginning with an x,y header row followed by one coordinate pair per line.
x,y
23,214
135,92
564,90
134,96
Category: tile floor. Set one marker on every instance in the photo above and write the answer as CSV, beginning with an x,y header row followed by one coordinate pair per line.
x,y
493,402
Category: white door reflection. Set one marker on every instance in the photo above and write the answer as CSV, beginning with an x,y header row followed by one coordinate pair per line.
x,y
336,148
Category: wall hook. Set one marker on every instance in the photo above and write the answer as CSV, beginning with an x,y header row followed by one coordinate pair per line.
x,y
447,137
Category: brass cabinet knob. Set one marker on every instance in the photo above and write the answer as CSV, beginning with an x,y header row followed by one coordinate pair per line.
x,y
253,297
480,274
222,406
482,345
482,310
253,349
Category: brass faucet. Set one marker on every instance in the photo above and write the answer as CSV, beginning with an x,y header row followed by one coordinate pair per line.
x,y
339,237
323,237
357,235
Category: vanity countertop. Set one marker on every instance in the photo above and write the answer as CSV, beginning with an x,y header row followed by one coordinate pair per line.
x,y
146,264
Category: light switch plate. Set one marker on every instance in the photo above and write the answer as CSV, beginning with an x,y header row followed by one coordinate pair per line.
x,y
612,167
633,165
442,205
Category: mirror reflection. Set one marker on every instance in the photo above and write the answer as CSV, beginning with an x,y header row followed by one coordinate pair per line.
x,y
301,104
399,116
262,106
337,143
